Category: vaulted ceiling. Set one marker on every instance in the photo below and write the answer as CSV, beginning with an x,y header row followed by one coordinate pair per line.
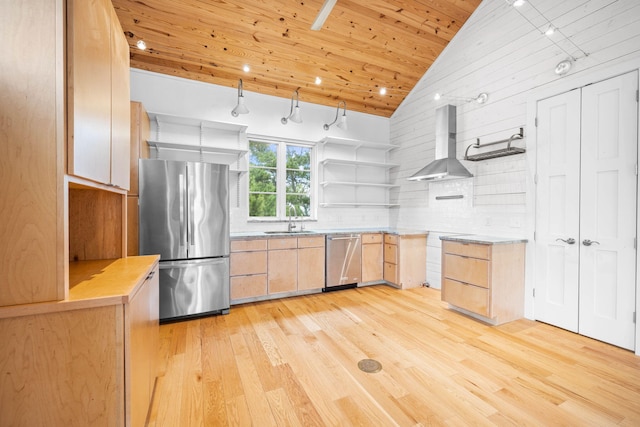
x,y
363,46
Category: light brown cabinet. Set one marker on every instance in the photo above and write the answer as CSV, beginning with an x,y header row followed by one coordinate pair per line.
x,y
64,235
105,341
248,269
139,149
484,279
266,268
311,255
372,257
98,94
405,260
32,212
282,271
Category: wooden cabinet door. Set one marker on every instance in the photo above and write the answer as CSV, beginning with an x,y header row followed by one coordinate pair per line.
x,y
283,270
89,89
310,268
31,152
372,262
141,347
120,106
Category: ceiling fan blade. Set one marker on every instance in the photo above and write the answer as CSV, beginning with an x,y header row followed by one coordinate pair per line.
x,y
325,10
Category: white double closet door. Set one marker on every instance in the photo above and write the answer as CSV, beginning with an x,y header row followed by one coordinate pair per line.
x,y
585,278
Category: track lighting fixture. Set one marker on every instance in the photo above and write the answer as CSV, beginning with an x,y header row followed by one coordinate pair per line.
x,y
240,108
343,119
294,113
480,99
563,67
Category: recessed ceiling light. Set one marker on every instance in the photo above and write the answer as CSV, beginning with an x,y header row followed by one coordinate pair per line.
x,y
437,96
246,68
383,91
550,30
518,3
141,45
318,80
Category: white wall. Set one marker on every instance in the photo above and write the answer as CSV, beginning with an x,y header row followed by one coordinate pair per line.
x,y
499,52
181,97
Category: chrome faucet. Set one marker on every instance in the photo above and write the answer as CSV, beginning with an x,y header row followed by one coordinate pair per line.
x,y
291,224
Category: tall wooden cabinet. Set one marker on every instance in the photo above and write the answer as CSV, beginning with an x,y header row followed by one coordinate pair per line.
x,y
139,149
32,206
70,303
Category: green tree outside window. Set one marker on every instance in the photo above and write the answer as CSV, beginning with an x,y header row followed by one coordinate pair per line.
x,y
294,177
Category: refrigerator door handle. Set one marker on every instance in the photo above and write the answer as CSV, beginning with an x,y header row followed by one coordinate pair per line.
x,y
183,233
191,203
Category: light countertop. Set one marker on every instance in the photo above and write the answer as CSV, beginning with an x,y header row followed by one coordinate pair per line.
x,y
307,233
483,240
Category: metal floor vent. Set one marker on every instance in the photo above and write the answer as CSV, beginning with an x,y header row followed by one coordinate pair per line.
x,y
370,366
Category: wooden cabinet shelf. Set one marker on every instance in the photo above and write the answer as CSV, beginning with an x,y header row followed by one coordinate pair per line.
x,y
349,204
190,147
357,184
347,162
357,144
186,138
361,165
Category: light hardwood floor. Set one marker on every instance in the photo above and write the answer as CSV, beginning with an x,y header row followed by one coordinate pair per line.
x,y
294,362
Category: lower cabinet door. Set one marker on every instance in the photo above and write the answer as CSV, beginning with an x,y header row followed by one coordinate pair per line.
x,y
310,268
469,297
248,286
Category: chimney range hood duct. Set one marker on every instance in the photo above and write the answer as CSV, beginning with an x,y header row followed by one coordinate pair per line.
x,y
445,166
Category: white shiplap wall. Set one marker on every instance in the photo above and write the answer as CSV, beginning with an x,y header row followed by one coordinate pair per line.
x,y
499,52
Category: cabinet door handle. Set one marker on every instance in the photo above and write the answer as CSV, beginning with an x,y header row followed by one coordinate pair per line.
x,y
150,275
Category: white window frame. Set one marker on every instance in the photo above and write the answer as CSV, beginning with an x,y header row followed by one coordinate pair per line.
x,y
281,178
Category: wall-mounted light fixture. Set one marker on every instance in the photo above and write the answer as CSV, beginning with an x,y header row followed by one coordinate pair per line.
x,y
563,67
294,113
240,108
480,99
343,119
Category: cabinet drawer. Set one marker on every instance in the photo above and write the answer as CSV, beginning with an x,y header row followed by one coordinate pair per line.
x,y
391,253
311,242
391,272
288,243
391,239
468,270
371,238
467,249
248,245
248,286
469,297
242,263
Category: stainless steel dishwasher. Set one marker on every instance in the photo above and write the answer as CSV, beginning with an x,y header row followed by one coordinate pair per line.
x,y
343,261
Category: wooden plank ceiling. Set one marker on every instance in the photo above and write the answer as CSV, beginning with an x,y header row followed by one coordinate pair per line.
x,y
364,45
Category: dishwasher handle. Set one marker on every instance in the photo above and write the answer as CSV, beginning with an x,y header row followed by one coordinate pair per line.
x,y
343,238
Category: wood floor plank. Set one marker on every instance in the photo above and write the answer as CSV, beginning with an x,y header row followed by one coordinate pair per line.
x,y
294,362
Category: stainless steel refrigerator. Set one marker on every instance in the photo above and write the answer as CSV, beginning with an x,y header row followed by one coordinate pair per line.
x,y
184,217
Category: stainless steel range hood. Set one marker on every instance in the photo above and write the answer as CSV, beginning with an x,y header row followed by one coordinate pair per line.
x,y
445,166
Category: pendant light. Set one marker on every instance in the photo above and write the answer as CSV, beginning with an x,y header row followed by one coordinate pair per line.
x,y
343,119
240,108
294,113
